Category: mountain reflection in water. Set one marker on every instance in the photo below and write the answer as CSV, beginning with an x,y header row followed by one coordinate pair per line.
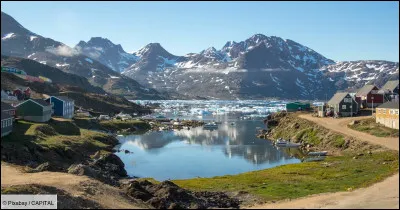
x,y
182,154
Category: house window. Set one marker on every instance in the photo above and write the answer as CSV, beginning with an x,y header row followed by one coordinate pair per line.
x,y
343,106
397,112
347,100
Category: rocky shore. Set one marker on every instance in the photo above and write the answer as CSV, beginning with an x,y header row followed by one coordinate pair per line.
x,y
311,136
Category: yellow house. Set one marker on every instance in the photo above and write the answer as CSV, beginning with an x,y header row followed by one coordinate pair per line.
x,y
388,114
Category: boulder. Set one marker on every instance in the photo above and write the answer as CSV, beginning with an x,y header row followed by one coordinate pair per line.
x,y
112,164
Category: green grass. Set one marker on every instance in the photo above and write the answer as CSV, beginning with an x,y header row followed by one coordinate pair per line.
x,y
115,125
371,127
48,136
87,139
297,180
339,141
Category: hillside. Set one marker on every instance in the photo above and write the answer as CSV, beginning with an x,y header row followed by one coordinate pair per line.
x,y
18,41
96,102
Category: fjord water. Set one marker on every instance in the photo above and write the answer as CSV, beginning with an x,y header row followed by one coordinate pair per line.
x,y
198,152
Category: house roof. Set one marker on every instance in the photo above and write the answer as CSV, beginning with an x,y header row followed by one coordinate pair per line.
x,y
365,90
5,106
63,98
390,105
40,102
391,85
337,98
5,115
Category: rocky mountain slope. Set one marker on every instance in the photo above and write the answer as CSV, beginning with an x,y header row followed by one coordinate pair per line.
x,y
355,74
20,42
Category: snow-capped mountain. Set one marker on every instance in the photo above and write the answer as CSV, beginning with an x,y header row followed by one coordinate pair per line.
x,y
238,70
17,41
107,53
258,67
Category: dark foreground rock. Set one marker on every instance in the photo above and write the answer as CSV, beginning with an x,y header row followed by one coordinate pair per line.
x,y
168,195
108,169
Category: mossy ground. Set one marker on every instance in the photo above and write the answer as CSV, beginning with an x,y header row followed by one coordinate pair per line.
x,y
371,127
340,173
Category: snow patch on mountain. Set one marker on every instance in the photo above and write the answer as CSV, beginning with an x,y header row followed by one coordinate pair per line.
x,y
88,60
8,36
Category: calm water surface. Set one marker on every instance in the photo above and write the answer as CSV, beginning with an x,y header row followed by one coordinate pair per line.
x,y
198,152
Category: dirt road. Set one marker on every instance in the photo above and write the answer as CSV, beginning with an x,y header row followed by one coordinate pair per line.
x,y
384,194
107,196
340,125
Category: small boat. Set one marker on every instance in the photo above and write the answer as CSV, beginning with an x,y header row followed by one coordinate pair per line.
x,y
211,125
322,153
232,123
312,159
284,143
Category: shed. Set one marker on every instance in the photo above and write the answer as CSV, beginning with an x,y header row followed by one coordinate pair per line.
x,y
36,110
295,106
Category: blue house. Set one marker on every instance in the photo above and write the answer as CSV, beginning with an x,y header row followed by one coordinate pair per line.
x,y
62,106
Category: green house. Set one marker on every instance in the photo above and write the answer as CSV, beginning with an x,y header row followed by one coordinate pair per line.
x,y
295,106
36,110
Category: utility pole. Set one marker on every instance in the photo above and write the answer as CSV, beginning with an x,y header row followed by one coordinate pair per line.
x,y
372,106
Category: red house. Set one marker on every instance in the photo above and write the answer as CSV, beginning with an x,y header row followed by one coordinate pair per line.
x,y
369,96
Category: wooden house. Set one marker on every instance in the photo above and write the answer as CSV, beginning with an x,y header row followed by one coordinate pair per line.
x,y
6,123
7,108
370,96
36,110
388,114
343,104
391,90
62,106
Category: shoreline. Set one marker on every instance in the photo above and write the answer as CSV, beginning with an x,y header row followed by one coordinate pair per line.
x,y
188,183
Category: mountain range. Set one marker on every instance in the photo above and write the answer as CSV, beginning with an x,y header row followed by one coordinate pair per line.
x,y
257,68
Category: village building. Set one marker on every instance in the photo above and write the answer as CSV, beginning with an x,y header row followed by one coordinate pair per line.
x,y
297,106
6,96
391,90
82,113
369,96
62,106
22,93
123,116
36,110
7,108
388,114
6,123
343,104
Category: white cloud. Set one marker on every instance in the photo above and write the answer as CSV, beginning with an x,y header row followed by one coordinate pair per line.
x,y
63,50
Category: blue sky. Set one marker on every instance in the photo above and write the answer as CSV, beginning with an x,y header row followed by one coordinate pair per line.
x,y
338,30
